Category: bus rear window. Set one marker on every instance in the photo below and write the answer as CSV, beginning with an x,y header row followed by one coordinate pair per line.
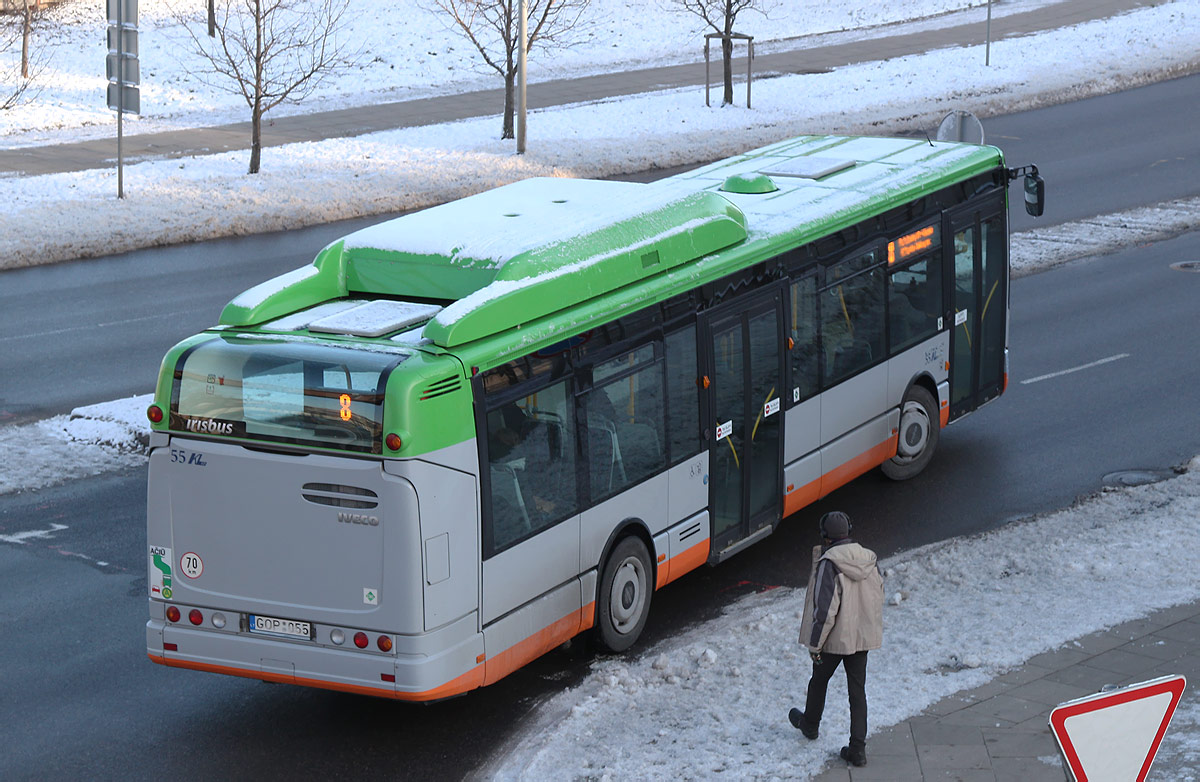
x,y
287,392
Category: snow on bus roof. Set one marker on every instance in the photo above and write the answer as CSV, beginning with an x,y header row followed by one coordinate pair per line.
x,y
492,227
869,172
575,240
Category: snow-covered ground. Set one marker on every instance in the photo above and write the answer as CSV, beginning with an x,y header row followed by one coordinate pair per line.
x,y
712,702
50,218
408,49
91,440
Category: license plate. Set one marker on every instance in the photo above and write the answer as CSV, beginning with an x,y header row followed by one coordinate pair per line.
x,y
271,625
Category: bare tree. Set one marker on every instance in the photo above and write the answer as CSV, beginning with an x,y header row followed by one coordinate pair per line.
x,y
494,28
21,26
721,15
271,52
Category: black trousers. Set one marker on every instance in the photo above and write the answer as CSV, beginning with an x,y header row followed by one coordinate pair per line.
x,y
855,666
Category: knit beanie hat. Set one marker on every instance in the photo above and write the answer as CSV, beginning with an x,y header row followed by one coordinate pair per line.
x,y
835,525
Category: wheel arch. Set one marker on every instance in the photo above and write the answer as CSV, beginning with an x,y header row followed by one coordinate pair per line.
x,y
926,381
630,526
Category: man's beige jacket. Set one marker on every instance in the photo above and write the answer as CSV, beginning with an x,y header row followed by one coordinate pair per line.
x,y
843,608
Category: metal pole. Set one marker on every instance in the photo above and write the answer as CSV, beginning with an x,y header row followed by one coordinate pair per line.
x,y
521,58
749,68
987,52
120,99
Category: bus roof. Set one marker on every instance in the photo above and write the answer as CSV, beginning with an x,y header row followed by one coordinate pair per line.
x,y
510,255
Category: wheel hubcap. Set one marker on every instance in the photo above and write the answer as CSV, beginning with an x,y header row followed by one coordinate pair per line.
x,y
628,594
914,431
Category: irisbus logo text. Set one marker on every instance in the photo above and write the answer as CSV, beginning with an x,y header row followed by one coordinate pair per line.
x,y
358,518
208,426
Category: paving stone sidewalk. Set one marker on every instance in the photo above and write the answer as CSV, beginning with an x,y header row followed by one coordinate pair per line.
x,y
885,44
999,732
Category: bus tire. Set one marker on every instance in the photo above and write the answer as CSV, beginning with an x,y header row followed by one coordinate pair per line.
x,y
624,599
920,430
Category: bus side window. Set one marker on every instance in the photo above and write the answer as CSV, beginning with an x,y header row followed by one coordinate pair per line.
x,y
625,422
683,395
804,354
531,454
914,302
852,316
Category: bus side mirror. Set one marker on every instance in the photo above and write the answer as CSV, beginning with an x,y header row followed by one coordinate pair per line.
x,y
1035,194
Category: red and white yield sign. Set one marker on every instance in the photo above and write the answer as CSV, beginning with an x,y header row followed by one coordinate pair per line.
x,y
1113,736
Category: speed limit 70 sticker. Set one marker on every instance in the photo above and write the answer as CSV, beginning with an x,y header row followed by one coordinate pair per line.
x,y
191,564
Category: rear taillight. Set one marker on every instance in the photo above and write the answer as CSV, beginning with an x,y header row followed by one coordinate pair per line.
x,y
384,643
173,613
360,640
155,414
195,617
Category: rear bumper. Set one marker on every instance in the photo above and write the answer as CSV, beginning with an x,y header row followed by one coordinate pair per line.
x,y
429,667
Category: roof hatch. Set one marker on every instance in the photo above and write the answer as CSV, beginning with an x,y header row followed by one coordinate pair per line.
x,y
808,167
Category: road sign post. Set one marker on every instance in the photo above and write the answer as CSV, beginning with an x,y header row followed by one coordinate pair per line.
x,y
124,73
1113,736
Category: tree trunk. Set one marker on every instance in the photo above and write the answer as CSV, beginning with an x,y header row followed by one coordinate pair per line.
x,y
510,81
255,135
727,63
256,111
28,23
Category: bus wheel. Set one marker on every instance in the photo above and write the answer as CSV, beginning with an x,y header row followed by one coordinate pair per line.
x,y
624,599
919,432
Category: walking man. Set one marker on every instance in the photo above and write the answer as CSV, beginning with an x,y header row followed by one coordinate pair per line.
x,y
843,620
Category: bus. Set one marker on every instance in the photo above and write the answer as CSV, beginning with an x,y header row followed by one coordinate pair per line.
x,y
464,436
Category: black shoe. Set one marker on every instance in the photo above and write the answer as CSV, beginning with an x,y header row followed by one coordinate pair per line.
x,y
796,717
854,758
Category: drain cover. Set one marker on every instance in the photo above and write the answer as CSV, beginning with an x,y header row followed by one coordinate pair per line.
x,y
1186,266
1136,477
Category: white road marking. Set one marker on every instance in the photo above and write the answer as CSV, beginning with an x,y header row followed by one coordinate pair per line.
x,y
1074,369
21,537
89,327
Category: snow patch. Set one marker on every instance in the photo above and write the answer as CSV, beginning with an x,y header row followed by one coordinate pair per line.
x,y
92,440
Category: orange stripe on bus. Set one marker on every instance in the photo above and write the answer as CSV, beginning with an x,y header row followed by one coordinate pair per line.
x,y
805,495
500,665
944,415
470,680
840,476
683,563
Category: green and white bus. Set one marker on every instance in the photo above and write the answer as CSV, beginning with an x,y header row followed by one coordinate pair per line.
x,y
464,436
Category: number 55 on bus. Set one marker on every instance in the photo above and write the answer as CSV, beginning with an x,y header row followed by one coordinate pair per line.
x,y
466,435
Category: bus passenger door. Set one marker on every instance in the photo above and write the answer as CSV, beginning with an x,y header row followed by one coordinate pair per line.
x,y
744,418
977,272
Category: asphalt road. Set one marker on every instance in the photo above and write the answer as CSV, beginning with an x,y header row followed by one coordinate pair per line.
x,y
80,698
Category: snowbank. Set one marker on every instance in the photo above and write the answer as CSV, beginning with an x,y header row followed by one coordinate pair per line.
x,y
90,441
